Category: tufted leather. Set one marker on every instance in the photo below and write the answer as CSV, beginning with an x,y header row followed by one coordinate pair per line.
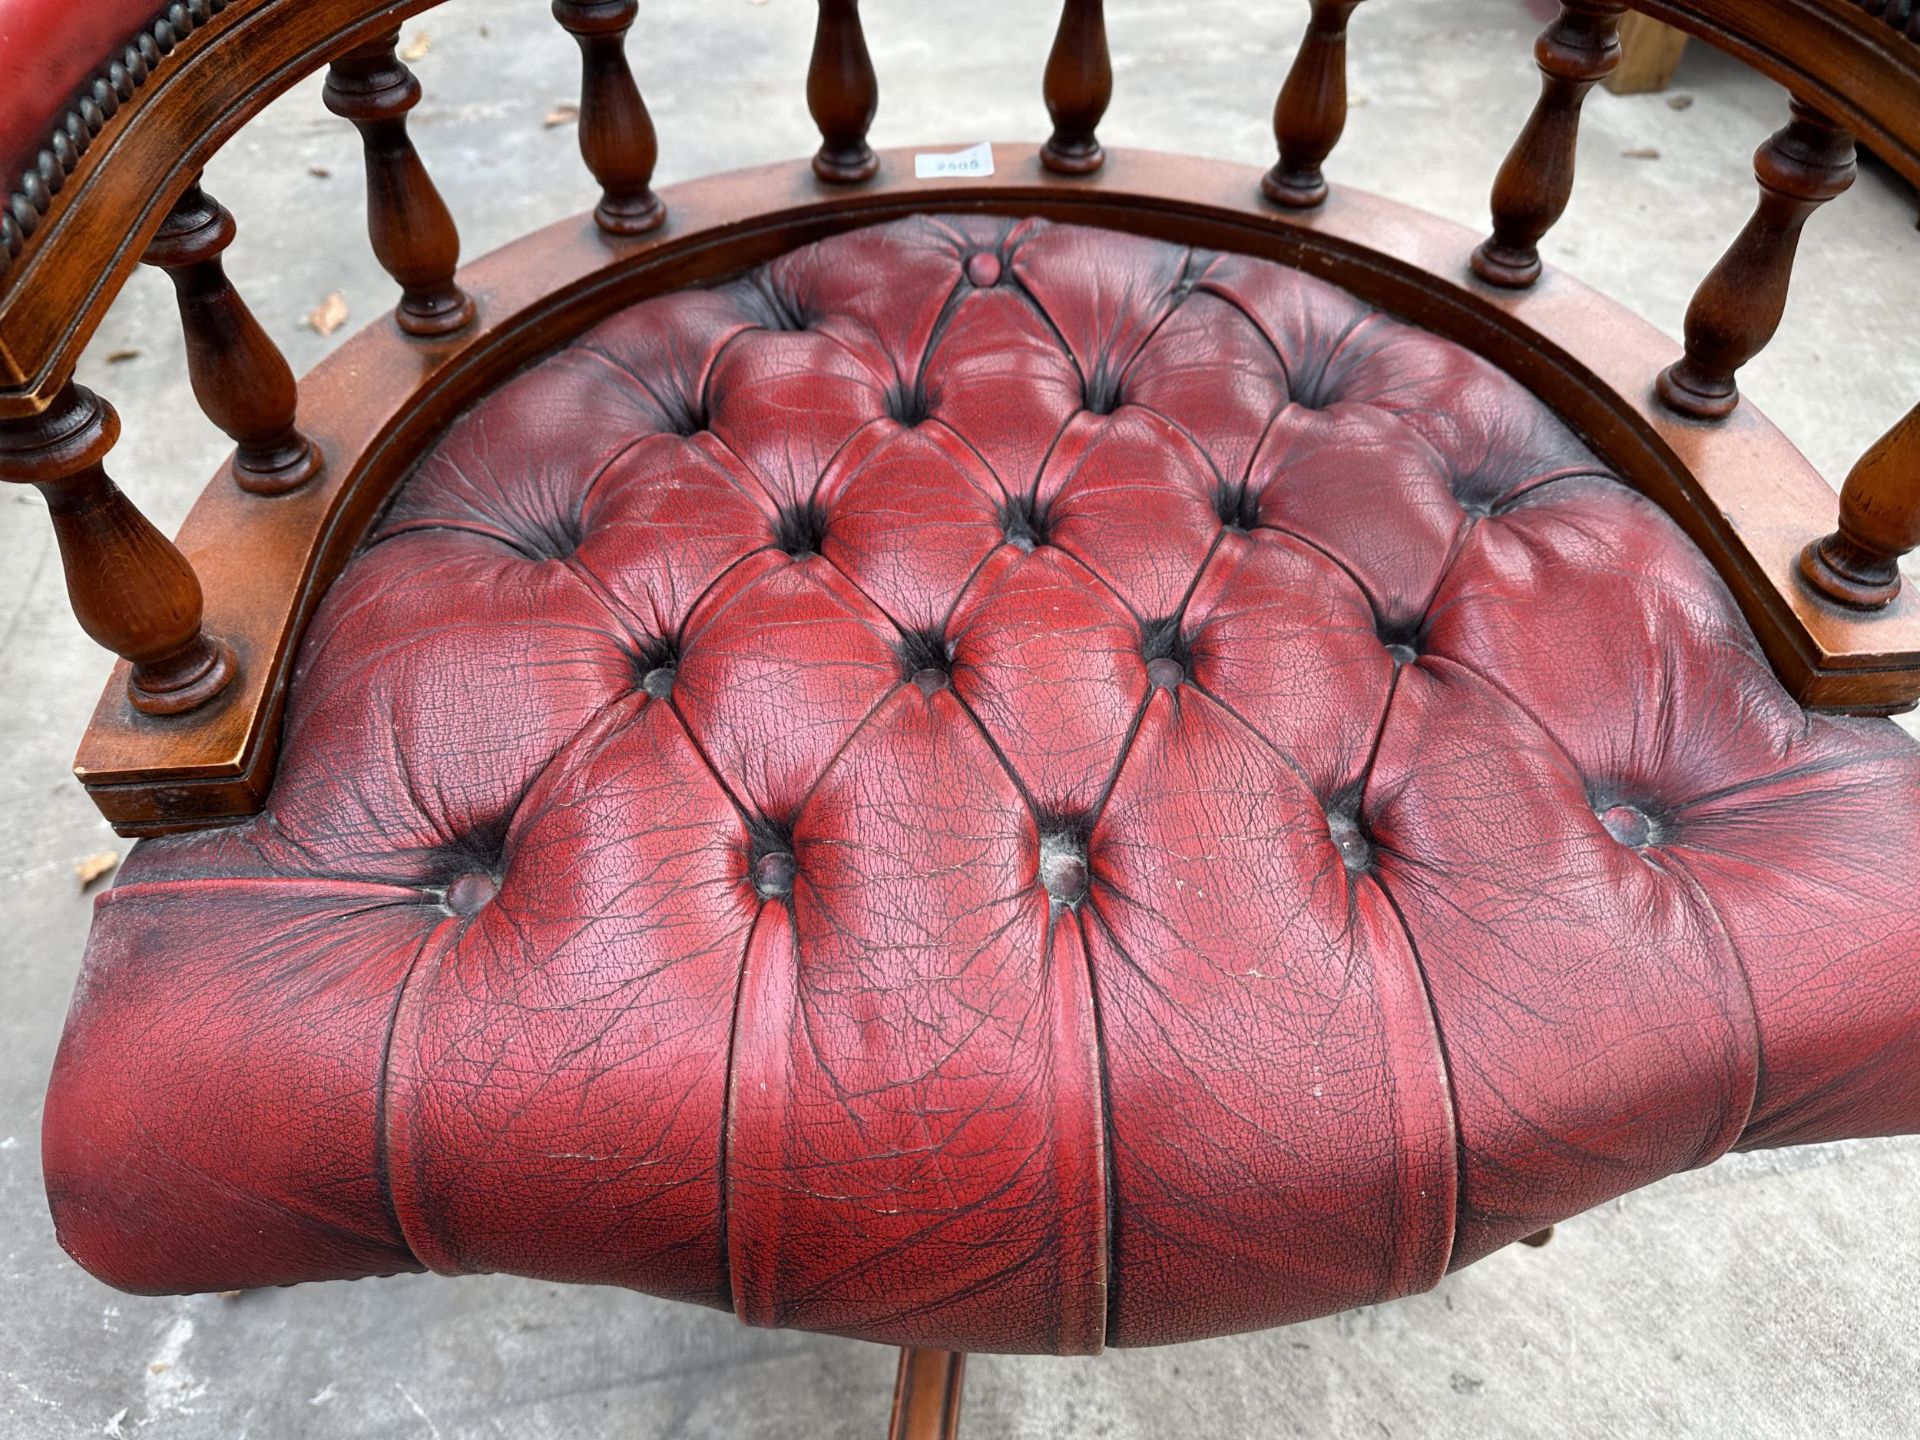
x,y
48,50
1003,787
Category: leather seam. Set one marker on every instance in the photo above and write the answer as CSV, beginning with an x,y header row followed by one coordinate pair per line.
x,y
383,1097
1109,1183
1676,856
723,1174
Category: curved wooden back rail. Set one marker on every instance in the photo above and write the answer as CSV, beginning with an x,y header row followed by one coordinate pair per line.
x,y
187,730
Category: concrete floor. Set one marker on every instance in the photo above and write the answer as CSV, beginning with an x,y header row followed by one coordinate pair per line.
x,y
1768,1295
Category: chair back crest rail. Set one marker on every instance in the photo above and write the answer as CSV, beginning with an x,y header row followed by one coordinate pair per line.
x,y
206,628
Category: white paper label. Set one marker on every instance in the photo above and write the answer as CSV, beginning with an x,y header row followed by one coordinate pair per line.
x,y
968,164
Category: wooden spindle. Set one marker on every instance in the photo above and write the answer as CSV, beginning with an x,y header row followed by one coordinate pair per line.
x,y
842,94
1859,564
1738,306
1575,53
926,1395
616,133
241,379
1311,111
130,588
412,233
1077,86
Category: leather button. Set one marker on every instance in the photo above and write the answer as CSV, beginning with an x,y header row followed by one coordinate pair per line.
x,y
983,269
469,893
1629,825
658,682
1023,524
930,679
1063,868
1166,673
1356,851
773,875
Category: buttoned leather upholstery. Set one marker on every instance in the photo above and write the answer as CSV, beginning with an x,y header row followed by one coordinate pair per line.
x,y
1004,787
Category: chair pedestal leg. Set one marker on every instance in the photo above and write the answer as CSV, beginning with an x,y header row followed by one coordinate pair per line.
x,y
926,1396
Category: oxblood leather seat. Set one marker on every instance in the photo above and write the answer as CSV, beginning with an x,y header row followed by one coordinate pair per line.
x,y
997,787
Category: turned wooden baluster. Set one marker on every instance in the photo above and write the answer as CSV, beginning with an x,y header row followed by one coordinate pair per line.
x,y
926,1395
241,379
1311,111
1575,53
842,94
1077,86
616,133
1738,306
1859,564
412,233
130,588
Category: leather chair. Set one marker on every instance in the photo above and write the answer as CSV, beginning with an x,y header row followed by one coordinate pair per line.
x,y
1109,755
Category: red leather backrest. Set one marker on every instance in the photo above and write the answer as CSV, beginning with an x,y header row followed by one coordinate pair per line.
x,y
48,50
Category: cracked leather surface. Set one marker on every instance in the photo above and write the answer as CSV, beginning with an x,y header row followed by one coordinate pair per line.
x,y
1003,787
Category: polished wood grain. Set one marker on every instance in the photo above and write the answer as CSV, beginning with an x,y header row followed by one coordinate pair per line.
x,y
131,588
1738,307
1740,489
1077,87
616,133
842,94
1577,51
1859,563
926,1395
412,232
242,381
1311,111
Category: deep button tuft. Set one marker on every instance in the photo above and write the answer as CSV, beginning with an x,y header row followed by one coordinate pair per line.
x,y
983,269
770,858
1024,523
1237,506
783,312
1630,825
655,665
1165,650
468,893
800,529
907,404
924,656
684,415
1401,639
1101,393
1350,839
1312,391
551,537
1063,866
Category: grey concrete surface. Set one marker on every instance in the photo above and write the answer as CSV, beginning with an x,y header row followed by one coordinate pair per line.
x,y
1770,1295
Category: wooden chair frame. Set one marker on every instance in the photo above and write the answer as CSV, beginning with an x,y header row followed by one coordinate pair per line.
x,y
207,627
